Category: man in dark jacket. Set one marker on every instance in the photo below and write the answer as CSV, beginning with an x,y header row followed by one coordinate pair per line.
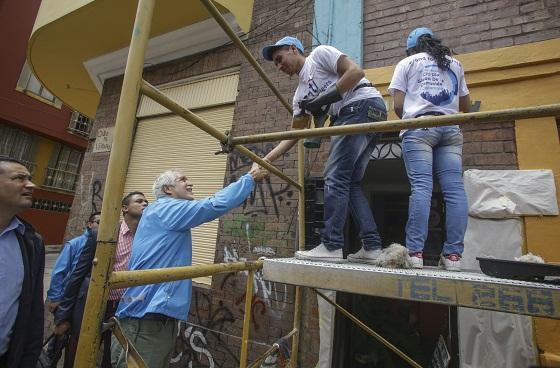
x,y
22,264
68,315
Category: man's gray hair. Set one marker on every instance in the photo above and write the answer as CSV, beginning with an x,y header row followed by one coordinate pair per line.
x,y
166,179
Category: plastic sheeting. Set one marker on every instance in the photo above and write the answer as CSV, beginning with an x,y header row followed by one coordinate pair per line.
x,y
510,193
493,339
326,329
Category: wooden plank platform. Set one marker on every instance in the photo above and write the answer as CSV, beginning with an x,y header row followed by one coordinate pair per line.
x,y
463,289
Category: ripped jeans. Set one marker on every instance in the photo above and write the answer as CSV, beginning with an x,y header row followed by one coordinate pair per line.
x,y
348,159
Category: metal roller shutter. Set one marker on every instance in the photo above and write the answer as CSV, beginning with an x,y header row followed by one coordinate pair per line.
x,y
170,142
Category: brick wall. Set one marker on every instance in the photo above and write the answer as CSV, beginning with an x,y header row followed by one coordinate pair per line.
x,y
489,147
464,25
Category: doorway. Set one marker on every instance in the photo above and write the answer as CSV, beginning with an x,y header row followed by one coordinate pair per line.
x,y
412,327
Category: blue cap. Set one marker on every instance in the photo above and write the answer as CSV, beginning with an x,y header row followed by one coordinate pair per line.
x,y
415,35
286,41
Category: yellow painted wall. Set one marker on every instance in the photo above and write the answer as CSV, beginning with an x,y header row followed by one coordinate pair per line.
x,y
43,155
538,148
512,77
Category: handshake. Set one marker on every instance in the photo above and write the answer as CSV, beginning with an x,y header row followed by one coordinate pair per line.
x,y
258,172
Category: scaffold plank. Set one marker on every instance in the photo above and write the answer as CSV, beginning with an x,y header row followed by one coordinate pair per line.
x,y
463,289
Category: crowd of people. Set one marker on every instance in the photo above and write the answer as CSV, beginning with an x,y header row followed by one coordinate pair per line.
x,y
429,81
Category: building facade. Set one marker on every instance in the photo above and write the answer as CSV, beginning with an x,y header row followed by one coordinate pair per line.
x,y
36,128
510,53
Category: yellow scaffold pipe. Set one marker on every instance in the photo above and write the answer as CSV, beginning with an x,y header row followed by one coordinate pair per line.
x,y
241,46
90,336
247,319
364,327
156,95
396,125
124,279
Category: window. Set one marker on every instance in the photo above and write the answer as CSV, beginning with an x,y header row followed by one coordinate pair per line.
x,y
63,169
29,84
80,124
19,145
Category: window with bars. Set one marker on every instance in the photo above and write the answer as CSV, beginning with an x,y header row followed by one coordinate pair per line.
x,y
29,84
80,124
64,168
17,144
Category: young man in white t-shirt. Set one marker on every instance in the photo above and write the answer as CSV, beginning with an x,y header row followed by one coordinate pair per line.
x,y
431,82
330,83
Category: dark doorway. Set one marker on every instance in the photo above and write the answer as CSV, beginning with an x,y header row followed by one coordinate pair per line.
x,y
411,326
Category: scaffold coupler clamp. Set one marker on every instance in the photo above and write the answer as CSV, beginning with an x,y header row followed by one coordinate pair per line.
x,y
227,146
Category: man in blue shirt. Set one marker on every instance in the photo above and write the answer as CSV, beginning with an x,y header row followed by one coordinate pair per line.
x,y
66,262
22,263
60,276
148,314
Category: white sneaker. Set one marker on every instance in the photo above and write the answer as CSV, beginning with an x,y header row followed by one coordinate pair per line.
x,y
450,262
321,253
364,256
417,260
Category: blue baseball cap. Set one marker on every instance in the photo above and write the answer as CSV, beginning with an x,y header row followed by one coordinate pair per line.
x,y
415,35
286,41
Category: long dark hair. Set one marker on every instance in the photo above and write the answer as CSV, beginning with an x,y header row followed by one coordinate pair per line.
x,y
432,46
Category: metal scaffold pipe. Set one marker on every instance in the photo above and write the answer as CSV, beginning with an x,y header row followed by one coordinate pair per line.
x,y
156,95
364,327
396,125
247,319
125,279
241,46
90,337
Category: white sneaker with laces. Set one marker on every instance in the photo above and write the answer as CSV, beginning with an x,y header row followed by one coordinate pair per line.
x,y
450,262
321,253
364,256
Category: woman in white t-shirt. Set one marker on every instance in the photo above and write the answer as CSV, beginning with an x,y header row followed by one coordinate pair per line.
x,y
431,82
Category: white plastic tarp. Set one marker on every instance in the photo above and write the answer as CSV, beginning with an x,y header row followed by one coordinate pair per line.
x,y
326,328
486,338
510,193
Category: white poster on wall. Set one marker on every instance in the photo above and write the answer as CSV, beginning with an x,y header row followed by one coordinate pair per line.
x,y
103,140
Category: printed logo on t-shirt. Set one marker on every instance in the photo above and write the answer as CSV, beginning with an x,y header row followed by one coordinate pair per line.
x,y
438,86
313,89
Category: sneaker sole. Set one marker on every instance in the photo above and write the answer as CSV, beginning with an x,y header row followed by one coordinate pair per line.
x,y
362,260
320,259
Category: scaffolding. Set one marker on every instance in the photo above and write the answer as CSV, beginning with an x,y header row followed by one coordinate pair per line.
x,y
540,300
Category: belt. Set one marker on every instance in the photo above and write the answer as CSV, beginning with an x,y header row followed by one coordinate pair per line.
x,y
363,85
430,113
156,317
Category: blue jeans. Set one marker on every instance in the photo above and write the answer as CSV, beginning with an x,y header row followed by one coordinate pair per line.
x,y
436,150
348,159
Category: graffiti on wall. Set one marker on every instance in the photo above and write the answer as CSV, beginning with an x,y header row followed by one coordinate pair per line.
x,y
205,321
96,196
268,297
257,202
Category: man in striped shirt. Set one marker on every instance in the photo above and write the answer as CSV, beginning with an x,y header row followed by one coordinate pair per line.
x,y
133,205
